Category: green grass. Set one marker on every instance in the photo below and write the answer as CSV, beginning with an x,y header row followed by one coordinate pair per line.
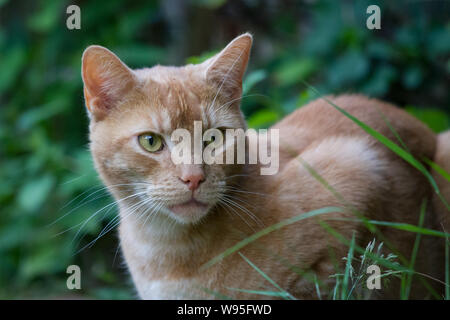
x,y
347,283
402,153
280,293
268,230
447,268
348,269
407,278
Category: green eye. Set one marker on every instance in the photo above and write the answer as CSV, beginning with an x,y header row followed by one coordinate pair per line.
x,y
151,142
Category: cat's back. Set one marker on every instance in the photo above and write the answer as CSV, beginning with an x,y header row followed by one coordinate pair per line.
x,y
321,148
320,120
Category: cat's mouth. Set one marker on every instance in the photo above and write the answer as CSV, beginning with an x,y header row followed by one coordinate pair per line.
x,y
190,210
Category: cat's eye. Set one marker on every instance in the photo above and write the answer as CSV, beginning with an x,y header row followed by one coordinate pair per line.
x,y
151,142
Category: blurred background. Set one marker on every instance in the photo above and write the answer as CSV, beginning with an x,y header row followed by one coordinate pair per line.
x,y
48,188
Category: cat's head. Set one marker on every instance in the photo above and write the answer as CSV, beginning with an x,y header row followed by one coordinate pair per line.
x,y
134,112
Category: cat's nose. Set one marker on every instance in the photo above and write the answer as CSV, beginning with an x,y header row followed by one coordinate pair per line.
x,y
193,180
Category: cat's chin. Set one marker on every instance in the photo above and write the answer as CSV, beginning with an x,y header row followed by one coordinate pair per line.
x,y
189,212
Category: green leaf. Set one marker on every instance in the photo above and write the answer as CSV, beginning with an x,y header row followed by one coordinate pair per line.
x,y
436,119
201,58
348,68
40,113
47,17
379,82
210,4
11,63
34,193
252,79
44,260
292,72
412,77
138,55
263,119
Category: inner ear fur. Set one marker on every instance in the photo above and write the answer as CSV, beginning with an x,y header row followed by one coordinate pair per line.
x,y
227,68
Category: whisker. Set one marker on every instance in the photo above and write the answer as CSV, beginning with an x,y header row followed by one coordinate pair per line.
x,y
115,254
112,224
219,203
73,180
241,200
228,204
154,210
116,220
249,213
234,189
84,201
237,175
80,195
107,206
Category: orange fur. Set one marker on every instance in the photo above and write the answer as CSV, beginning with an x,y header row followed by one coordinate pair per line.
x,y
165,253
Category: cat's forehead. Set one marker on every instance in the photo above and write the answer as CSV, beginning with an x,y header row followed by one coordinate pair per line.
x,y
177,97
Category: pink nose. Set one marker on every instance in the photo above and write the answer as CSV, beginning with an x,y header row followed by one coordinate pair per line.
x,y
193,180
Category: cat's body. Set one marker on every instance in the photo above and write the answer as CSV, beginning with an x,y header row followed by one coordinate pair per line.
x,y
167,249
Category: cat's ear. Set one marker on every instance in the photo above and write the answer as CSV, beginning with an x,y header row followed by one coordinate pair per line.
x,y
226,69
106,79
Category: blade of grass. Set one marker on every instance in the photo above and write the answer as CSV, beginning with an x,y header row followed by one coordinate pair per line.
x,y
348,269
336,289
371,227
406,281
447,269
317,286
381,261
338,196
394,132
262,292
365,221
268,230
405,154
388,143
432,164
265,276
305,274
401,226
384,262
438,169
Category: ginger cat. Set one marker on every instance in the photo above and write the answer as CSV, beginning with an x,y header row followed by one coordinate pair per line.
x,y
176,218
